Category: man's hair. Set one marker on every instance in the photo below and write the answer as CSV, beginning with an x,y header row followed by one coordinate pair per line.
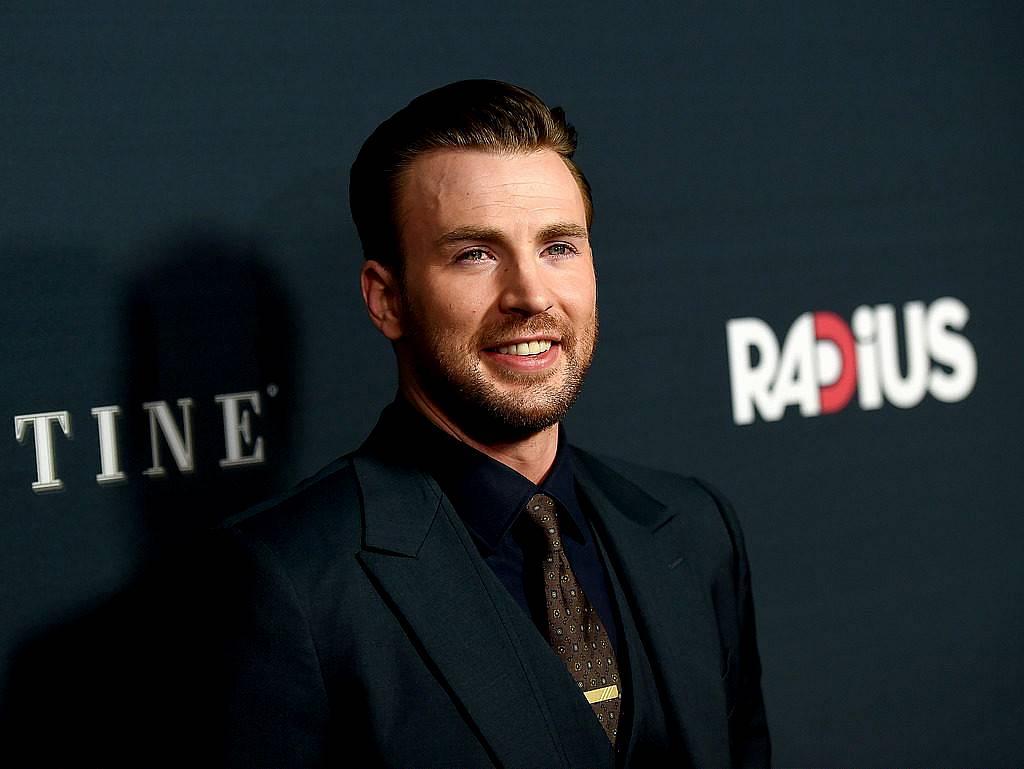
x,y
469,114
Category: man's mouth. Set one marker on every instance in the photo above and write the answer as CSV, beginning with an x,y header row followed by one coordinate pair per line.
x,y
535,347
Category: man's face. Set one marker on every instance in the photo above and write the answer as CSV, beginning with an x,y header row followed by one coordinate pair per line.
x,y
498,301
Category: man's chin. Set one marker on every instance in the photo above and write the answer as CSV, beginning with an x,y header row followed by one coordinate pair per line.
x,y
496,426
506,415
492,404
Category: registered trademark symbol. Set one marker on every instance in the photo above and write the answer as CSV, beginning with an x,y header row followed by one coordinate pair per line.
x,y
272,389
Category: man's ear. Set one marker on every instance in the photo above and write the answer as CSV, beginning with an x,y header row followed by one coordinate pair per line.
x,y
382,297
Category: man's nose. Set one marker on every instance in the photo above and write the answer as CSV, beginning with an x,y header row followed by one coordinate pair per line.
x,y
524,290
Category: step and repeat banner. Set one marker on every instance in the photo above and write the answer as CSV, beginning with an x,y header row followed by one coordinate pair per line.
x,y
808,236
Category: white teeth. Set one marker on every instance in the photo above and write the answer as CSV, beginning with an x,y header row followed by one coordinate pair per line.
x,y
526,348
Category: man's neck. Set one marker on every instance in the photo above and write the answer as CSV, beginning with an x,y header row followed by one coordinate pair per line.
x,y
531,457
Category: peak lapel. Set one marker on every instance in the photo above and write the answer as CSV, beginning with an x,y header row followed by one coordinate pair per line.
x,y
422,561
672,609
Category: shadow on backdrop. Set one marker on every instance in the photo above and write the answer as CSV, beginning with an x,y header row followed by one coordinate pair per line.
x,y
119,685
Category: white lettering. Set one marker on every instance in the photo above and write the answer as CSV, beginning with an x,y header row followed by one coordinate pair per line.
x,y
181,448
950,349
46,460
110,462
751,383
933,358
869,388
903,391
796,382
238,429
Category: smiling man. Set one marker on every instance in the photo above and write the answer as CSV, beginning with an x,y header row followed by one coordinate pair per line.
x,y
493,308
468,589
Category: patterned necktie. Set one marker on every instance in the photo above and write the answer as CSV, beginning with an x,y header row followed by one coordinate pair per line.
x,y
575,630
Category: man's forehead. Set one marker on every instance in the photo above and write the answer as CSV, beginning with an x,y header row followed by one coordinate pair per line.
x,y
446,187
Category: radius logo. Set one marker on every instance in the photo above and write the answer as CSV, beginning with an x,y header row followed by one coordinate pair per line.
x,y
824,362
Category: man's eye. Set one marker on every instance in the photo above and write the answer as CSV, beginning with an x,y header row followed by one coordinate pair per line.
x,y
560,249
473,255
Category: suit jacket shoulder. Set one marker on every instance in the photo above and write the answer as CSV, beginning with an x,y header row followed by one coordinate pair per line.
x,y
702,510
315,496
690,527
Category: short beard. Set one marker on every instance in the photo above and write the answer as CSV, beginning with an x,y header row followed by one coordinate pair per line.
x,y
480,409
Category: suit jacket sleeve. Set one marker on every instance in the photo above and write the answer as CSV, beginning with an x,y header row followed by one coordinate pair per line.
x,y
270,698
748,728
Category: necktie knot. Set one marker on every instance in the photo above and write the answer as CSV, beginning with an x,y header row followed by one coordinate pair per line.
x,y
541,511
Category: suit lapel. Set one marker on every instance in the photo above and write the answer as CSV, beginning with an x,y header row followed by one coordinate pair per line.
x,y
671,610
423,563
640,697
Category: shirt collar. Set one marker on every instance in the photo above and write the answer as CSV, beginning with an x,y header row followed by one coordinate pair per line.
x,y
486,494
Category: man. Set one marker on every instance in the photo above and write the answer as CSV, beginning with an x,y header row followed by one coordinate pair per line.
x,y
466,589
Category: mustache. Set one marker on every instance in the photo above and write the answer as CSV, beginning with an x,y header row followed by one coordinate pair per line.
x,y
541,323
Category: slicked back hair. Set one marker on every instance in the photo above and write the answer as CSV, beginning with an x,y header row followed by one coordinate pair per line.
x,y
470,114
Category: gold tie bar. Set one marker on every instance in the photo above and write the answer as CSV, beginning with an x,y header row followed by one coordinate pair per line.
x,y
602,694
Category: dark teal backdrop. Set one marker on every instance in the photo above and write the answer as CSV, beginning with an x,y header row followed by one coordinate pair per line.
x,y
174,225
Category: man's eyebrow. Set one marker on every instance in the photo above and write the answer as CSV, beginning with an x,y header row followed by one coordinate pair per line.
x,y
563,230
492,235
459,234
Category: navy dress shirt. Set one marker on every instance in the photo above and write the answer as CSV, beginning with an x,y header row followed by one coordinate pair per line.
x,y
491,497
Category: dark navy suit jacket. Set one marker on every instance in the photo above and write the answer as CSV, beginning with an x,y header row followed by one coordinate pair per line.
x,y
362,628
